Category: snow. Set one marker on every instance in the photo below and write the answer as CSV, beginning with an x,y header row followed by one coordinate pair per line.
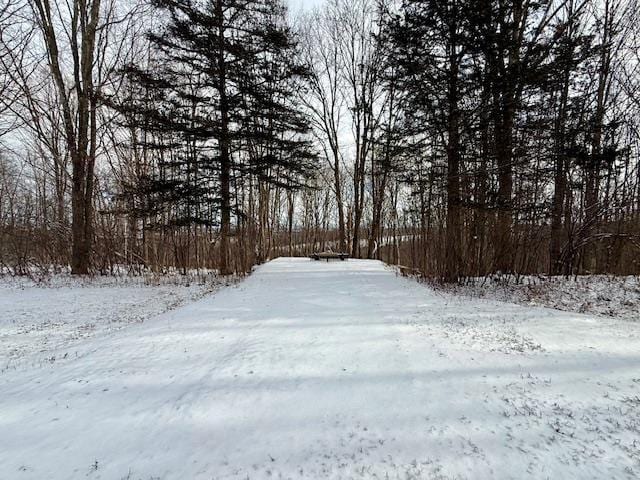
x,y
41,321
332,370
594,294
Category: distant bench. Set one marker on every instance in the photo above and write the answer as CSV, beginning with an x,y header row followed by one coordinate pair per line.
x,y
329,256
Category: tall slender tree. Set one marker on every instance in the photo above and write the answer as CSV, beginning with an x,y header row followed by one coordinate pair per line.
x,y
223,93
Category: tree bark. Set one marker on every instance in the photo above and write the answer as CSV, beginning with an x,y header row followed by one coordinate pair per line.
x,y
453,225
560,167
79,127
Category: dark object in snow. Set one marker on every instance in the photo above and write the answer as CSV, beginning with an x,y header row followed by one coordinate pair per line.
x,y
328,256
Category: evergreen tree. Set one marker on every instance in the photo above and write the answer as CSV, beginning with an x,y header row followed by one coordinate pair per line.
x,y
221,107
430,50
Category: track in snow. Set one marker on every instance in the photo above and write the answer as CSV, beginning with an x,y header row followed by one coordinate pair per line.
x,y
333,370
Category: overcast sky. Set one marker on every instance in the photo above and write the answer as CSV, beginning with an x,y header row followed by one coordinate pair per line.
x,y
296,5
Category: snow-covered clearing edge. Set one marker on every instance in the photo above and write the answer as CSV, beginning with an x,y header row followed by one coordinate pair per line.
x,y
44,321
601,295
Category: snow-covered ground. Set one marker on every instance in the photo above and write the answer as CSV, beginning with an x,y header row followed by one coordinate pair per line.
x,y
42,321
604,295
332,370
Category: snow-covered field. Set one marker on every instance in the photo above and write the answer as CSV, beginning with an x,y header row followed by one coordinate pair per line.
x,y
331,370
592,294
43,321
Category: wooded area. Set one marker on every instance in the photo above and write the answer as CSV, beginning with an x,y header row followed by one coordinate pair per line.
x,y
455,138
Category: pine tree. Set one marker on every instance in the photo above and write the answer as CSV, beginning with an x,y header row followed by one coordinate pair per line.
x,y
430,51
221,107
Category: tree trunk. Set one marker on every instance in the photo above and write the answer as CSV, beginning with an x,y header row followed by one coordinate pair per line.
x,y
560,177
592,181
453,226
225,158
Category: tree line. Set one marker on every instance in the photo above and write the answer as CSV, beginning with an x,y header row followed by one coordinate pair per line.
x,y
454,138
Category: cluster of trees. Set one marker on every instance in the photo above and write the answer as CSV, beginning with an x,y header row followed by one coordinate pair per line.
x,y
458,138
160,131
484,136
530,112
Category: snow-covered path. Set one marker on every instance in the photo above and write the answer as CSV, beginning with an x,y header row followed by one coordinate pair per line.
x,y
333,370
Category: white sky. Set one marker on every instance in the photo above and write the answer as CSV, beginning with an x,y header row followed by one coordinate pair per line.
x,y
297,5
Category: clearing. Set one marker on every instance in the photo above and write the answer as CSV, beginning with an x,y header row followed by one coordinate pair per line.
x,y
329,370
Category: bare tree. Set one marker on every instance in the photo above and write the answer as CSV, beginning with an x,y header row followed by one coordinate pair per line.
x,y
361,61
78,104
320,34
13,41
